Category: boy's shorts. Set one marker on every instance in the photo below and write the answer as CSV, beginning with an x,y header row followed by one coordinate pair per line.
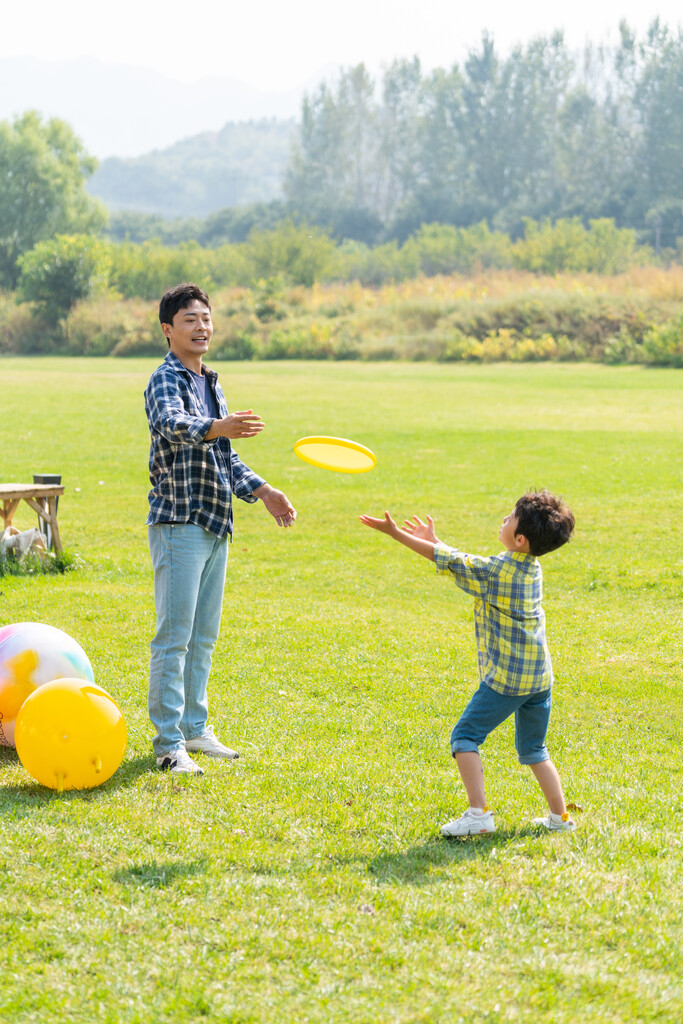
x,y
488,709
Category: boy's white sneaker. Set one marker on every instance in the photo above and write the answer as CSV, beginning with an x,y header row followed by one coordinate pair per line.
x,y
178,761
474,822
206,743
556,822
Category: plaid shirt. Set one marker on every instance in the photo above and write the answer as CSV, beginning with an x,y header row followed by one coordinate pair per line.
x,y
508,619
193,480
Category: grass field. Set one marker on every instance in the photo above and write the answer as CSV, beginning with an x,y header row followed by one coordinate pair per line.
x,y
307,882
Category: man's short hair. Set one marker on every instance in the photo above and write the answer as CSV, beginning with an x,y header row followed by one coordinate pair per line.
x,y
180,297
545,520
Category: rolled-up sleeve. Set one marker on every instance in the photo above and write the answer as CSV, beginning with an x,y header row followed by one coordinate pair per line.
x,y
244,480
169,417
470,572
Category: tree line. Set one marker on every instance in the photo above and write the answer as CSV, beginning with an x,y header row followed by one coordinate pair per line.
x,y
541,160
541,133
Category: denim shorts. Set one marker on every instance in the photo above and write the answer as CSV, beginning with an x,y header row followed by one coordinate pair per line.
x,y
488,709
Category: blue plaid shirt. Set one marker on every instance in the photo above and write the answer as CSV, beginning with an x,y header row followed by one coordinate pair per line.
x,y
508,619
193,480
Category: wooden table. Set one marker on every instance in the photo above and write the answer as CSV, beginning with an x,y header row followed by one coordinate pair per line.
x,y
41,497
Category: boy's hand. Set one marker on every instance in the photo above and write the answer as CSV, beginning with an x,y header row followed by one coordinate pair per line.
x,y
423,531
386,525
417,536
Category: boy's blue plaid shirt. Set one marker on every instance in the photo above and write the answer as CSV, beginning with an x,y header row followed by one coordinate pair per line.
x,y
192,480
508,617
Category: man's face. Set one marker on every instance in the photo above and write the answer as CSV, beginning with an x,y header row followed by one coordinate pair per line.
x,y
190,333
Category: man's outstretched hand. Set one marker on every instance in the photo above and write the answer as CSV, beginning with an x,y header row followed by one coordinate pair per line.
x,y
278,504
245,423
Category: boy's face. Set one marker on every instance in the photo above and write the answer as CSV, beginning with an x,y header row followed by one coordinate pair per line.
x,y
190,333
508,536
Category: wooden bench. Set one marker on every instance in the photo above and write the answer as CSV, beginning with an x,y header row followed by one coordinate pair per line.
x,y
41,497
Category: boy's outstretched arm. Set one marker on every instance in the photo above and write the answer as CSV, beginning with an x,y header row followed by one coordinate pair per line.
x,y
416,535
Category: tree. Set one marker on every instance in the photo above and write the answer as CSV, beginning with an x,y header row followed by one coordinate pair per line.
x,y
299,253
335,172
58,272
659,103
43,168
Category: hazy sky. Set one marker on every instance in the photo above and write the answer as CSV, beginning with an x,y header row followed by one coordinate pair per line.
x,y
278,44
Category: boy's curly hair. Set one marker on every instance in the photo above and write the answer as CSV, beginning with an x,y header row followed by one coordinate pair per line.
x,y
545,520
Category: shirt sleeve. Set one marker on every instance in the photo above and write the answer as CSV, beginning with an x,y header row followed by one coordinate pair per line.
x,y
244,480
470,572
168,416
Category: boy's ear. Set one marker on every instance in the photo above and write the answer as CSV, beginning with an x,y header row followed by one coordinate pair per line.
x,y
521,543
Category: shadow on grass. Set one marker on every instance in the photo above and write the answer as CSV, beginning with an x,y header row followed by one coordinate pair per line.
x,y
19,800
154,875
417,865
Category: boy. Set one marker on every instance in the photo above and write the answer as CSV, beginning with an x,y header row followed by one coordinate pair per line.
x,y
194,472
514,663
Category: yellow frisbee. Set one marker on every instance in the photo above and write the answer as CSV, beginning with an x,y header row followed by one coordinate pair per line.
x,y
337,453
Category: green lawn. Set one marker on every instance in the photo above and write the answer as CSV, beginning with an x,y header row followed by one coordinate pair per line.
x,y
307,882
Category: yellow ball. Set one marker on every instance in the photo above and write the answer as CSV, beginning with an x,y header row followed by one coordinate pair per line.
x,y
70,734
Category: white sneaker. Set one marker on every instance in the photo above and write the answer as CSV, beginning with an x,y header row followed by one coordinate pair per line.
x,y
207,743
556,822
473,822
178,761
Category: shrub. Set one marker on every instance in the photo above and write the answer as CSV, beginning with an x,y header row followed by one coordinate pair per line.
x,y
23,330
57,273
239,346
146,271
117,327
313,341
268,301
229,265
663,344
443,249
458,346
378,266
567,245
526,350
297,253
622,347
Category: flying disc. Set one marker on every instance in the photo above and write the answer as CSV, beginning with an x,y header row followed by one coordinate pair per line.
x,y
337,453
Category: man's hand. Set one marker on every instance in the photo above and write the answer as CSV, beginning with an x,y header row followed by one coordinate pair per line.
x,y
246,423
277,503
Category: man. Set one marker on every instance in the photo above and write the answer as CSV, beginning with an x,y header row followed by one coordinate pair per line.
x,y
194,474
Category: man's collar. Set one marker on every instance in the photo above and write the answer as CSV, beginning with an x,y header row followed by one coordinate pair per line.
x,y
172,359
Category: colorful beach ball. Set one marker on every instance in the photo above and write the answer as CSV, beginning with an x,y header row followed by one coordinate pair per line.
x,y
31,654
70,734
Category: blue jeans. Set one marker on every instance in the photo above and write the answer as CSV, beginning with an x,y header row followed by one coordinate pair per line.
x,y
488,709
189,578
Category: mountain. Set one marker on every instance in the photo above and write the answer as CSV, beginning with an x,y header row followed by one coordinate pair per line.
x,y
240,164
124,111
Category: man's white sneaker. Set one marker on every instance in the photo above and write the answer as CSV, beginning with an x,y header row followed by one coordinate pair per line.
x,y
178,761
473,822
556,822
207,743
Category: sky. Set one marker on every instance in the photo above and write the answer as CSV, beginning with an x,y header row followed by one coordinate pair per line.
x,y
276,45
